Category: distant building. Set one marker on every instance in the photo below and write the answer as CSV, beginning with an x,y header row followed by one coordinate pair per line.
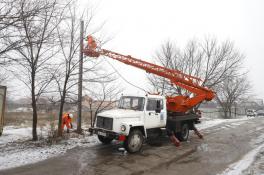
x,y
252,104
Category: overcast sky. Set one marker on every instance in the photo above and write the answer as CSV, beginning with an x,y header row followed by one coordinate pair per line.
x,y
140,27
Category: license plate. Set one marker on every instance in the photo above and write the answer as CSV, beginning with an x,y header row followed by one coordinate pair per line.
x,y
101,133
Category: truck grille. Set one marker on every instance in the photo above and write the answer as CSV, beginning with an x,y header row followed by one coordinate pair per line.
x,y
104,122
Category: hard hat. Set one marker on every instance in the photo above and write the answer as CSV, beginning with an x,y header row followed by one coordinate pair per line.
x,y
71,115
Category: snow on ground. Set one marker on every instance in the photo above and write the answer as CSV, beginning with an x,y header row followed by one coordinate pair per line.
x,y
12,133
257,167
16,149
251,163
208,123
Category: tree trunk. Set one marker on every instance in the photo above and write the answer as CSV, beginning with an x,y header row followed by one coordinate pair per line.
x,y
225,112
35,120
34,107
228,111
91,115
60,116
79,112
92,123
62,101
95,114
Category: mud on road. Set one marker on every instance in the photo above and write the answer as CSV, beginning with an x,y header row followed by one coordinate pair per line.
x,y
223,145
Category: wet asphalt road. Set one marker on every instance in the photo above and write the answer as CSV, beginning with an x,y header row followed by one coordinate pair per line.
x,y
223,145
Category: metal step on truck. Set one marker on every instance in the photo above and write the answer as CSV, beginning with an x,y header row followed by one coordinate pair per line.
x,y
2,107
137,117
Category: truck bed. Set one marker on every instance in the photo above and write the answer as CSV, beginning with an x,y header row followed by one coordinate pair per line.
x,y
175,120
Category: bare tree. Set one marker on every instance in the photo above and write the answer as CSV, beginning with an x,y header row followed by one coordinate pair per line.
x,y
39,46
230,91
10,20
66,74
12,13
103,96
167,56
9,17
69,39
209,60
222,61
3,77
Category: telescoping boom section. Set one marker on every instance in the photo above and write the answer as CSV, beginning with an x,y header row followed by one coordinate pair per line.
x,y
179,103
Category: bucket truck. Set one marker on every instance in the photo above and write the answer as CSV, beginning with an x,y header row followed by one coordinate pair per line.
x,y
140,117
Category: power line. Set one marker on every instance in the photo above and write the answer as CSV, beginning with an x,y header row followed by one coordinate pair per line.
x,y
124,77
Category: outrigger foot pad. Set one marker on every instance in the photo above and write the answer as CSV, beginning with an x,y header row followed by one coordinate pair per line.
x,y
198,133
174,140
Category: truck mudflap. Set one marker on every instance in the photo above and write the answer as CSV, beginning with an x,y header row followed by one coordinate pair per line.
x,y
105,133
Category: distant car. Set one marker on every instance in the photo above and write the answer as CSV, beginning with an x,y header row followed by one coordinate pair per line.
x,y
260,112
251,113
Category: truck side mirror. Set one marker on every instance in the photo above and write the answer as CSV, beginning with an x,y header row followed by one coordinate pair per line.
x,y
158,107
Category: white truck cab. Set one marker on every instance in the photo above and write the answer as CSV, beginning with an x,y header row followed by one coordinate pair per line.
x,y
131,121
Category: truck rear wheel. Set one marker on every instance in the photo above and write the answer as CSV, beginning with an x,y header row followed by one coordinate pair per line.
x,y
134,141
105,140
184,133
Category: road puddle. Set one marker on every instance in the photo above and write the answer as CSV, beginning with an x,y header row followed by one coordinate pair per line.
x,y
203,147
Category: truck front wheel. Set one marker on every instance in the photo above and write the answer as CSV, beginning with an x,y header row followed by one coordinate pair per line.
x,y
184,134
105,140
134,141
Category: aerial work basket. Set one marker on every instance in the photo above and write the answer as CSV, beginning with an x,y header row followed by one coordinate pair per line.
x,y
90,49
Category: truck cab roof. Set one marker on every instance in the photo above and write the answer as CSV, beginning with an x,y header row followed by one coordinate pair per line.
x,y
146,95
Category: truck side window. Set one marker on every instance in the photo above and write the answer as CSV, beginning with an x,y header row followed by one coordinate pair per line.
x,y
161,104
153,104
126,103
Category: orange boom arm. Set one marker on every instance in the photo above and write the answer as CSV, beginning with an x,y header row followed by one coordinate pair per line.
x,y
188,82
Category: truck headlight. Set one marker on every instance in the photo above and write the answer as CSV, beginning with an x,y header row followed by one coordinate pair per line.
x,y
123,127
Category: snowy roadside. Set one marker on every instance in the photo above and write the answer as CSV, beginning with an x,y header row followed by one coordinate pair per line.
x,y
12,134
251,163
16,149
208,123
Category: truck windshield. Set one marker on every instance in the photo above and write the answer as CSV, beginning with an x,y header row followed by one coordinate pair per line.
x,y
134,103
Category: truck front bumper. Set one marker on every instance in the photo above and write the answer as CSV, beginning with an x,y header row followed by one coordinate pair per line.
x,y
106,133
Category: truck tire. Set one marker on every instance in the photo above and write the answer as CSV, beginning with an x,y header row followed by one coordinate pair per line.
x,y
105,140
1,131
134,141
184,134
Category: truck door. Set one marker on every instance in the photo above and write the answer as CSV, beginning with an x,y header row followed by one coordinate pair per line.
x,y
2,107
154,118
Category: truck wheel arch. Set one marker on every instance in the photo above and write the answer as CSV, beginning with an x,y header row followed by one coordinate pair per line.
x,y
141,128
191,125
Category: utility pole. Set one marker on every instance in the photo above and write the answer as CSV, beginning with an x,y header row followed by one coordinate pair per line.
x,y
79,117
235,109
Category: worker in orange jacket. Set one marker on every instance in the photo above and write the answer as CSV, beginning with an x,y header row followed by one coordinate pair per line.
x,y
91,42
67,121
